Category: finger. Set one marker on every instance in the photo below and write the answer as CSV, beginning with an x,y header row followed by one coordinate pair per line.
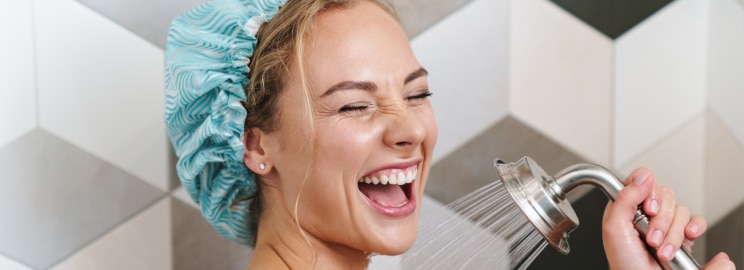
x,y
624,207
651,205
675,235
720,262
687,244
659,225
696,228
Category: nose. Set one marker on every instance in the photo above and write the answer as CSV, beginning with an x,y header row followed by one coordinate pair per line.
x,y
404,131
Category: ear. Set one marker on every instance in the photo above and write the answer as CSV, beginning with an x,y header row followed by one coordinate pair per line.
x,y
256,154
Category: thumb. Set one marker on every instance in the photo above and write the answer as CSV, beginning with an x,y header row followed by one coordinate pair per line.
x,y
639,186
720,262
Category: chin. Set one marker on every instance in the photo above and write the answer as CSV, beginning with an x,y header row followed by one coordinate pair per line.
x,y
396,241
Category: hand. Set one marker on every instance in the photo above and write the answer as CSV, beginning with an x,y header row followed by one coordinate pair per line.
x,y
671,226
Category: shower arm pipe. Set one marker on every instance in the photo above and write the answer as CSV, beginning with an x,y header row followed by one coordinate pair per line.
x,y
581,174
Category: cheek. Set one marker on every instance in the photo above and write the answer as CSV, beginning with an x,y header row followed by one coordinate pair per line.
x,y
347,142
427,118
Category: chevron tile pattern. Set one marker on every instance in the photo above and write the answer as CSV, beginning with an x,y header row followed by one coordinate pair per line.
x,y
624,84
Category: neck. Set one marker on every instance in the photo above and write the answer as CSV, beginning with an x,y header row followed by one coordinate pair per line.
x,y
281,245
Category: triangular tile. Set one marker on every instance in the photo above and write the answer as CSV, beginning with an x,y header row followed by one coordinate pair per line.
x,y
197,245
612,17
140,243
471,166
57,198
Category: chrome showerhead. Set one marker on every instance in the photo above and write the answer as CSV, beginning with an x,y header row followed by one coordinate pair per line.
x,y
542,198
533,191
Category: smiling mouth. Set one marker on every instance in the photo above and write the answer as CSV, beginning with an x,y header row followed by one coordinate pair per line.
x,y
390,188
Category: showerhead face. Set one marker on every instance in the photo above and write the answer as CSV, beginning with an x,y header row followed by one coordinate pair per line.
x,y
536,194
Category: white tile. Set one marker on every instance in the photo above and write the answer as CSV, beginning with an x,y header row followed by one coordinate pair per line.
x,y
8,264
679,163
560,78
18,91
659,76
466,56
724,172
726,63
143,242
181,194
101,88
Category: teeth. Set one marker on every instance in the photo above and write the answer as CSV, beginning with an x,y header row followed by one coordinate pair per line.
x,y
393,180
402,178
384,180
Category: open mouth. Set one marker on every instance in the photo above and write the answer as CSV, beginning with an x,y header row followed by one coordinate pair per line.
x,y
390,188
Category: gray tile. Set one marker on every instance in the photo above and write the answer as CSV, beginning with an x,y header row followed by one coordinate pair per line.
x,y
196,245
148,19
173,182
57,198
418,15
728,236
471,166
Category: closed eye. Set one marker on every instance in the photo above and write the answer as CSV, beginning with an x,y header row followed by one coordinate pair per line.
x,y
423,95
353,108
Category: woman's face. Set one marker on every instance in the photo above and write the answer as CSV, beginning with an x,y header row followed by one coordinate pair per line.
x,y
373,123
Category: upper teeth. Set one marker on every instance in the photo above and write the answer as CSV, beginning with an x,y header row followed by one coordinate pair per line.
x,y
401,178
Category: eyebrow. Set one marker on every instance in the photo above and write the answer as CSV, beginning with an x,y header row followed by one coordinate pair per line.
x,y
370,86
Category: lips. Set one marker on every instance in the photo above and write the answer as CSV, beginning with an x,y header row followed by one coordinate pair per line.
x,y
390,190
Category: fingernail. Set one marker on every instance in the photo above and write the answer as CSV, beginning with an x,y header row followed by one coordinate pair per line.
x,y
640,179
694,229
656,237
653,206
667,251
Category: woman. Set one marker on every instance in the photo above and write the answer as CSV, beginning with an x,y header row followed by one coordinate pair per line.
x,y
326,161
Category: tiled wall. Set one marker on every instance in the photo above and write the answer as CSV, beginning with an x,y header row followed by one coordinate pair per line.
x,y
87,168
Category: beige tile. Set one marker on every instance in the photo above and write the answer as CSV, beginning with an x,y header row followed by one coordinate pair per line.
x,y
197,245
659,77
726,64
144,242
471,86
679,163
561,77
724,189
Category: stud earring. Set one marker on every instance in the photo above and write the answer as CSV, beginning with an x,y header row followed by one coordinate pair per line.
x,y
262,166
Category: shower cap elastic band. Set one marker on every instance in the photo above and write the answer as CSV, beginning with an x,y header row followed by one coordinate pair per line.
x,y
206,72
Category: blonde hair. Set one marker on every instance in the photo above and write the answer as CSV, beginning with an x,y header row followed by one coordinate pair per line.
x,y
281,42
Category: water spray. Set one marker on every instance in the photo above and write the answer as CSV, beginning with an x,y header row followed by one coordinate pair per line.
x,y
542,198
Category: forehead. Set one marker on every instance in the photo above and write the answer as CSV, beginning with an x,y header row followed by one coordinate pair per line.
x,y
359,42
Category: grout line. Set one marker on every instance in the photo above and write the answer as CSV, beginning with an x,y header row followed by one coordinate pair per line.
x,y
656,143
8,257
103,234
613,106
35,50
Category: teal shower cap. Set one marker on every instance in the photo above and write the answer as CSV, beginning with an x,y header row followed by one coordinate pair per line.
x,y
206,72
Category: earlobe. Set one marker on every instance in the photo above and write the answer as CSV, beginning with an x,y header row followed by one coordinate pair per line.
x,y
256,158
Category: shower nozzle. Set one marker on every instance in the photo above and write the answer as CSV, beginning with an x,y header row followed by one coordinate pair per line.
x,y
542,198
